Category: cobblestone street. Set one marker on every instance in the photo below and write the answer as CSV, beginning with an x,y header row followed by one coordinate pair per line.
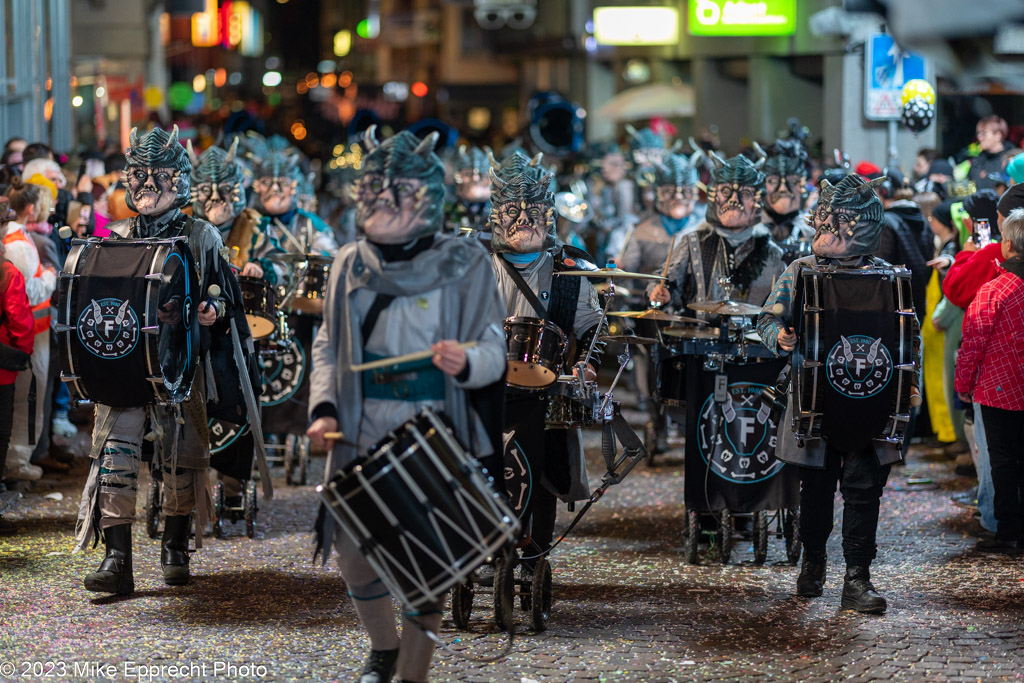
x,y
627,606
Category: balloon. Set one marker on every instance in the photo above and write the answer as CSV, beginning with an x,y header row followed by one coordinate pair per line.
x,y
918,114
917,88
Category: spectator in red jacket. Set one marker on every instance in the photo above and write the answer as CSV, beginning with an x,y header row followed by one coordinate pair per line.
x,y
16,323
990,371
974,267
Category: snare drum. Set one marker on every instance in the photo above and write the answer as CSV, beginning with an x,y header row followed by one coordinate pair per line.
x,y
311,288
536,352
126,324
570,408
259,301
420,510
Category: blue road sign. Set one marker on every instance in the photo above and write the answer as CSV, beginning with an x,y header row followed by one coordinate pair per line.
x,y
886,69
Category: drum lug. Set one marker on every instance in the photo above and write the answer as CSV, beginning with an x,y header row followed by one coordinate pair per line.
x,y
812,363
68,378
906,312
812,309
907,367
67,276
154,277
152,329
59,328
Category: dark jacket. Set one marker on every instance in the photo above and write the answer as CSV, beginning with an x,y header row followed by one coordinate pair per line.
x,y
987,163
906,240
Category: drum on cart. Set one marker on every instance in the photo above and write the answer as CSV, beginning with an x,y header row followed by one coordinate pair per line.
x,y
259,301
126,324
421,510
572,404
536,352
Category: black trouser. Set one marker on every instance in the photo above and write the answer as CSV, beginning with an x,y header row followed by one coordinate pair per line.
x,y
6,422
861,481
1004,431
545,454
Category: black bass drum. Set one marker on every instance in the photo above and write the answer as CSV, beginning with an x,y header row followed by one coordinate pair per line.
x,y
126,324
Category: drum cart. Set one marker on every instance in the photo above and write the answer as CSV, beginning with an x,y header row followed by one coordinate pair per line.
x,y
292,455
507,578
222,512
719,528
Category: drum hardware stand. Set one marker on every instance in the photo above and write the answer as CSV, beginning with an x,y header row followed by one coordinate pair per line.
x,y
581,366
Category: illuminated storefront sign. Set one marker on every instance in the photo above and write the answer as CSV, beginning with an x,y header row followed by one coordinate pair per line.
x,y
636,25
232,25
742,17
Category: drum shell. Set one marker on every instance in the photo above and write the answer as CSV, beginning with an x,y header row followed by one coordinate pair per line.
x,y
671,389
535,352
412,507
567,408
259,301
311,289
140,275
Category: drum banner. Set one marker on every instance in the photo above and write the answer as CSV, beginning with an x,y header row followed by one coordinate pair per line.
x,y
730,443
858,348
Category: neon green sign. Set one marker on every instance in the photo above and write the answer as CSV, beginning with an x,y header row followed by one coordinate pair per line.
x,y
742,17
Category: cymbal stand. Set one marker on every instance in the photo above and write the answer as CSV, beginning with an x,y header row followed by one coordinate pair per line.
x,y
581,366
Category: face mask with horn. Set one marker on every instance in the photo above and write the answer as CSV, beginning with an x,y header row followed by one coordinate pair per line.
x,y
848,221
156,172
400,192
276,183
674,179
470,166
522,206
734,192
785,177
218,194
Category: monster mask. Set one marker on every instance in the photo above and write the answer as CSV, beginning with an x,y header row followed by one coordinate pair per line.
x,y
470,171
734,192
674,179
218,194
522,206
276,183
849,218
400,193
785,177
156,172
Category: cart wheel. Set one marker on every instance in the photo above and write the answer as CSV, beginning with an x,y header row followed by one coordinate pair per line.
x,y
218,509
725,537
153,509
791,532
504,591
290,456
692,542
462,603
250,509
760,536
304,449
540,595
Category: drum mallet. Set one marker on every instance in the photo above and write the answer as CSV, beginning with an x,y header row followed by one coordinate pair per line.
x,y
332,436
65,232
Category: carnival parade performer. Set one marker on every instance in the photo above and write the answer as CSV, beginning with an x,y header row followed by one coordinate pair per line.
x,y
403,288
526,255
785,187
158,185
847,223
469,213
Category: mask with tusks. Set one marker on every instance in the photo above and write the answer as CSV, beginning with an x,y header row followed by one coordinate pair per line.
x,y
734,192
786,162
159,149
849,217
522,205
217,175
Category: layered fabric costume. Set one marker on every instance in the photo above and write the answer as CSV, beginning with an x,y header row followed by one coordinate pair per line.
x,y
540,465
848,222
785,171
424,290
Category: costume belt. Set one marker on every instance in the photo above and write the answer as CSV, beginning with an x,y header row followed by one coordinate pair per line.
x,y
416,381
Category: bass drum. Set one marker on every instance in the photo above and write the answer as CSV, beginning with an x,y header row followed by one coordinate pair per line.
x,y
126,324
283,372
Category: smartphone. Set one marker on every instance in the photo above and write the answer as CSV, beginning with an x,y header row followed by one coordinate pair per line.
x,y
982,232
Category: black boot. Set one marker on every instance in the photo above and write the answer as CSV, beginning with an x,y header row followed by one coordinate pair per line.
x,y
174,553
115,572
859,594
379,667
811,581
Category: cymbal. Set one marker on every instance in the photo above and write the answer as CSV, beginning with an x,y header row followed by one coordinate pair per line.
x,y
295,258
610,272
691,331
655,314
627,339
602,287
724,307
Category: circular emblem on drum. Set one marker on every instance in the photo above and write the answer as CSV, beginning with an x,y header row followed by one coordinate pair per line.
x,y
737,438
109,328
223,434
283,373
858,366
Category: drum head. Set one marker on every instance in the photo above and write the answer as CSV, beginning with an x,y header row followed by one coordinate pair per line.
x,y
259,326
179,327
529,376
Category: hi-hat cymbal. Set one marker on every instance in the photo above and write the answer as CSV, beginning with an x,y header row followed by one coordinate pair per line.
x,y
295,258
602,287
627,339
610,272
724,307
655,314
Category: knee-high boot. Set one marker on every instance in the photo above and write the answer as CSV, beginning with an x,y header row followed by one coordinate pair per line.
x,y
115,572
174,553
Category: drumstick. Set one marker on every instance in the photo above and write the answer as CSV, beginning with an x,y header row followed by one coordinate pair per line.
x,y
332,436
668,259
214,292
407,358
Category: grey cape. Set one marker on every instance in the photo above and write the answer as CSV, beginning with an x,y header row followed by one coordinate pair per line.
x,y
471,311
